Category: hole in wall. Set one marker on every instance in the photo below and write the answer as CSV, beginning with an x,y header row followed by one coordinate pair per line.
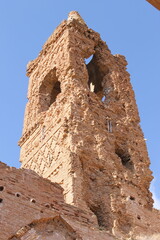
x,y
132,198
1,188
138,217
125,159
1,200
103,98
99,212
33,200
47,205
101,169
49,90
17,194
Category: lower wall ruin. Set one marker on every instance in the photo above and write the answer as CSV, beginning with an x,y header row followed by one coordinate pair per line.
x,y
33,207
28,203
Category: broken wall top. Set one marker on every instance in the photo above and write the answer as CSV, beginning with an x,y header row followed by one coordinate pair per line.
x,y
155,3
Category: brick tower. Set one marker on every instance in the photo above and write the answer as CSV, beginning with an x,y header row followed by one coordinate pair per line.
x,y
81,127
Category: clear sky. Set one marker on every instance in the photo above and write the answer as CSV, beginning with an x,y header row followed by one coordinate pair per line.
x,y
129,27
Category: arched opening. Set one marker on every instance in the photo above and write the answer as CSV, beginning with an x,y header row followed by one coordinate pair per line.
x,y
49,90
96,76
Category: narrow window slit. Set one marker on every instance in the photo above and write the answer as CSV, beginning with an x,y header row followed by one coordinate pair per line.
x,y
109,126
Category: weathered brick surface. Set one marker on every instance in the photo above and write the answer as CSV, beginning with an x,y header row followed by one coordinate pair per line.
x,y
81,130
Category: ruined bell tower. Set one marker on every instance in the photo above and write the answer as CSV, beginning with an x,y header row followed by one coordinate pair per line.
x,y
81,127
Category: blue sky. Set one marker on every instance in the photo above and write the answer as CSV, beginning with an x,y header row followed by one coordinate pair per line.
x,y
130,28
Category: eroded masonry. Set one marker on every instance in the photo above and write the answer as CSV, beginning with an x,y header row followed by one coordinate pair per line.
x,y
81,130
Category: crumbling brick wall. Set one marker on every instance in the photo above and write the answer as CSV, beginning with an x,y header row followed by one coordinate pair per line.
x,y
81,127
